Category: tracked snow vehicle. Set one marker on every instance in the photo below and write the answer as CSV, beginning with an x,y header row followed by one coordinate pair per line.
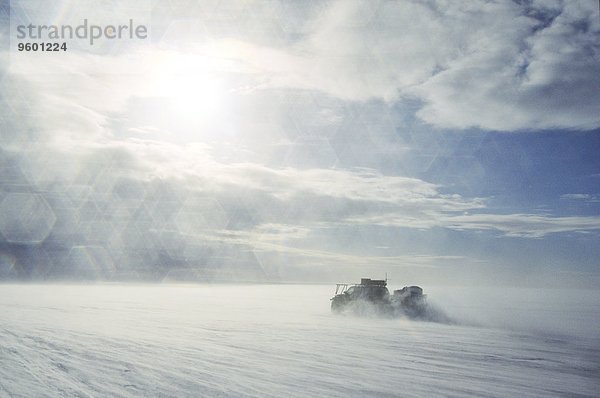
x,y
409,301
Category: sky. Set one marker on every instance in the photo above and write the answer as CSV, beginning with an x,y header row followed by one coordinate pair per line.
x,y
437,142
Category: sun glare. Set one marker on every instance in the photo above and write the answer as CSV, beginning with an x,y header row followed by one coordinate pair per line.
x,y
196,98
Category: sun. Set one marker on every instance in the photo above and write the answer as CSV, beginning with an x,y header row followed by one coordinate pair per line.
x,y
196,98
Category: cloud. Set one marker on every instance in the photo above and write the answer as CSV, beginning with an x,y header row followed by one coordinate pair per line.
x,y
291,201
509,225
521,73
581,197
492,65
523,225
496,66
145,174
269,244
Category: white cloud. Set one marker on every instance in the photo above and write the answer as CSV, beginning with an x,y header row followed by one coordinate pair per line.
x,y
497,66
585,197
493,65
305,199
510,225
280,245
515,79
131,175
472,64
524,225
475,64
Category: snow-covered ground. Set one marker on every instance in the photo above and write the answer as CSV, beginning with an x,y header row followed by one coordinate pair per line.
x,y
279,341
